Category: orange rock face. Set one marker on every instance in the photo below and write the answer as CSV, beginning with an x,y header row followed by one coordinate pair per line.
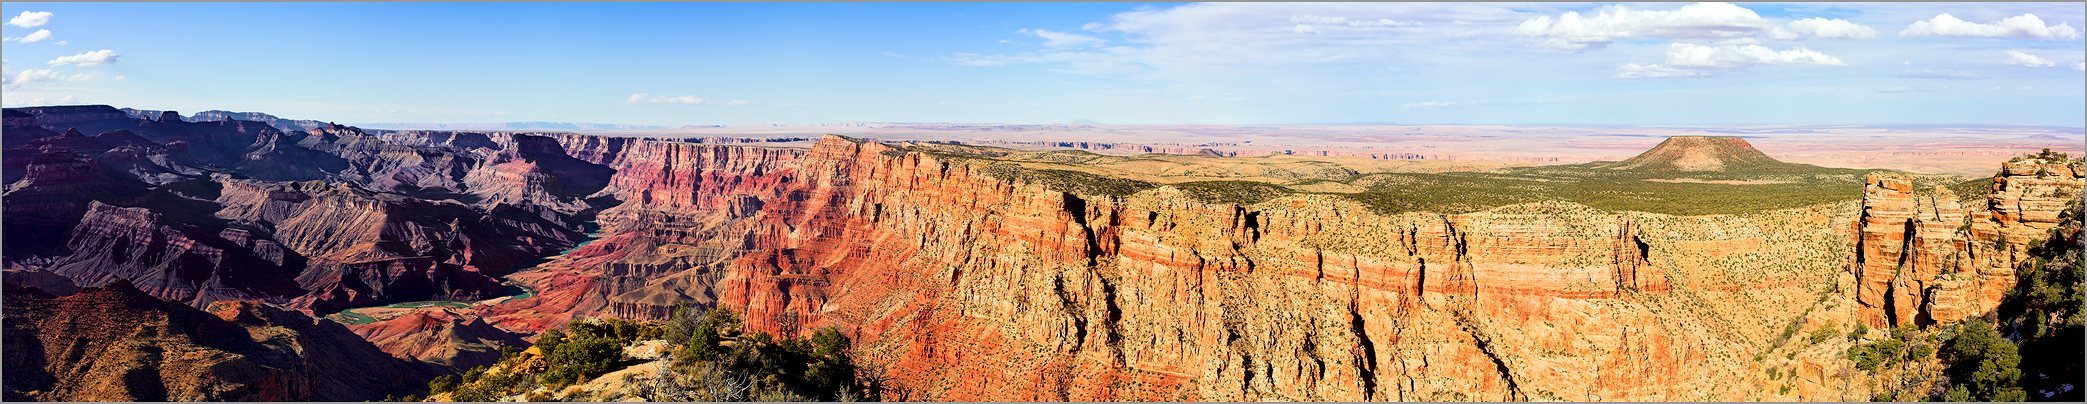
x,y
961,283
439,336
962,277
1926,259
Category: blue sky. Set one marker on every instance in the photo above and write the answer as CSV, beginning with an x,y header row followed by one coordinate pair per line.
x,y
1230,63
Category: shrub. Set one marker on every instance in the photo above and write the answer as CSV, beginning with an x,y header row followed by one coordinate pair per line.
x,y
2044,312
1822,334
682,324
580,359
550,340
1982,365
1883,352
442,384
704,342
486,388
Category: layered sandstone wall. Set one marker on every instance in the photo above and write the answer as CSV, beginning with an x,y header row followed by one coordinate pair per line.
x,y
963,284
1923,258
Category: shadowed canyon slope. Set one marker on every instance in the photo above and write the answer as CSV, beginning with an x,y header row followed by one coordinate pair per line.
x,y
969,273
115,343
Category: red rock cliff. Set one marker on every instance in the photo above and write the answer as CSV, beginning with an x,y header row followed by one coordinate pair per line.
x,y
1926,259
963,282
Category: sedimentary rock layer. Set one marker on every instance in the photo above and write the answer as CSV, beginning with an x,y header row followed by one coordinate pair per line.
x,y
966,285
116,343
1924,258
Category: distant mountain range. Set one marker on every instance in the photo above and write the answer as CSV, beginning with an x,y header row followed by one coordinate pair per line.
x,y
309,124
222,115
533,125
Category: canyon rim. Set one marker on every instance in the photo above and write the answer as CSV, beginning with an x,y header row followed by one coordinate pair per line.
x,y
1313,202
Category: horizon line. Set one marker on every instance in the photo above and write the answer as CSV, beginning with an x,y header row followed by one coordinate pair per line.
x,y
1079,122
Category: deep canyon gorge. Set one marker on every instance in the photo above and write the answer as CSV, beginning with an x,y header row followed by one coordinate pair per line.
x,y
152,256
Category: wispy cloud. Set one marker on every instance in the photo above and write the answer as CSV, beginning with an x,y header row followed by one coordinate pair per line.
x,y
1575,31
1693,60
2020,58
28,76
2021,26
33,37
88,58
1938,74
1057,39
1225,41
1429,104
643,98
1822,28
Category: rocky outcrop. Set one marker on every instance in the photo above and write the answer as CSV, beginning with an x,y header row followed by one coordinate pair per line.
x,y
966,283
966,278
286,125
173,260
115,343
441,337
314,220
1924,258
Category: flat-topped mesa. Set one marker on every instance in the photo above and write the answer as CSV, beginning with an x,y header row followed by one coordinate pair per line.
x,y
1698,153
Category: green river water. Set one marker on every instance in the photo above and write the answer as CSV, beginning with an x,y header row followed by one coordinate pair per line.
x,y
515,291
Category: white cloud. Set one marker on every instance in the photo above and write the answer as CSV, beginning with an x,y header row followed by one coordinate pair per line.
x,y
1822,28
1940,74
30,19
973,59
29,76
1226,97
35,37
2081,66
1726,57
739,103
1692,60
87,58
1574,31
2021,26
62,42
1428,104
1057,39
1205,42
79,77
1318,19
643,98
2020,58
1646,71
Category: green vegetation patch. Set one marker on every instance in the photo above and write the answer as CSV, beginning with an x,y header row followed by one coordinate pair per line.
x,y
1606,189
352,318
713,359
1068,181
1234,192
